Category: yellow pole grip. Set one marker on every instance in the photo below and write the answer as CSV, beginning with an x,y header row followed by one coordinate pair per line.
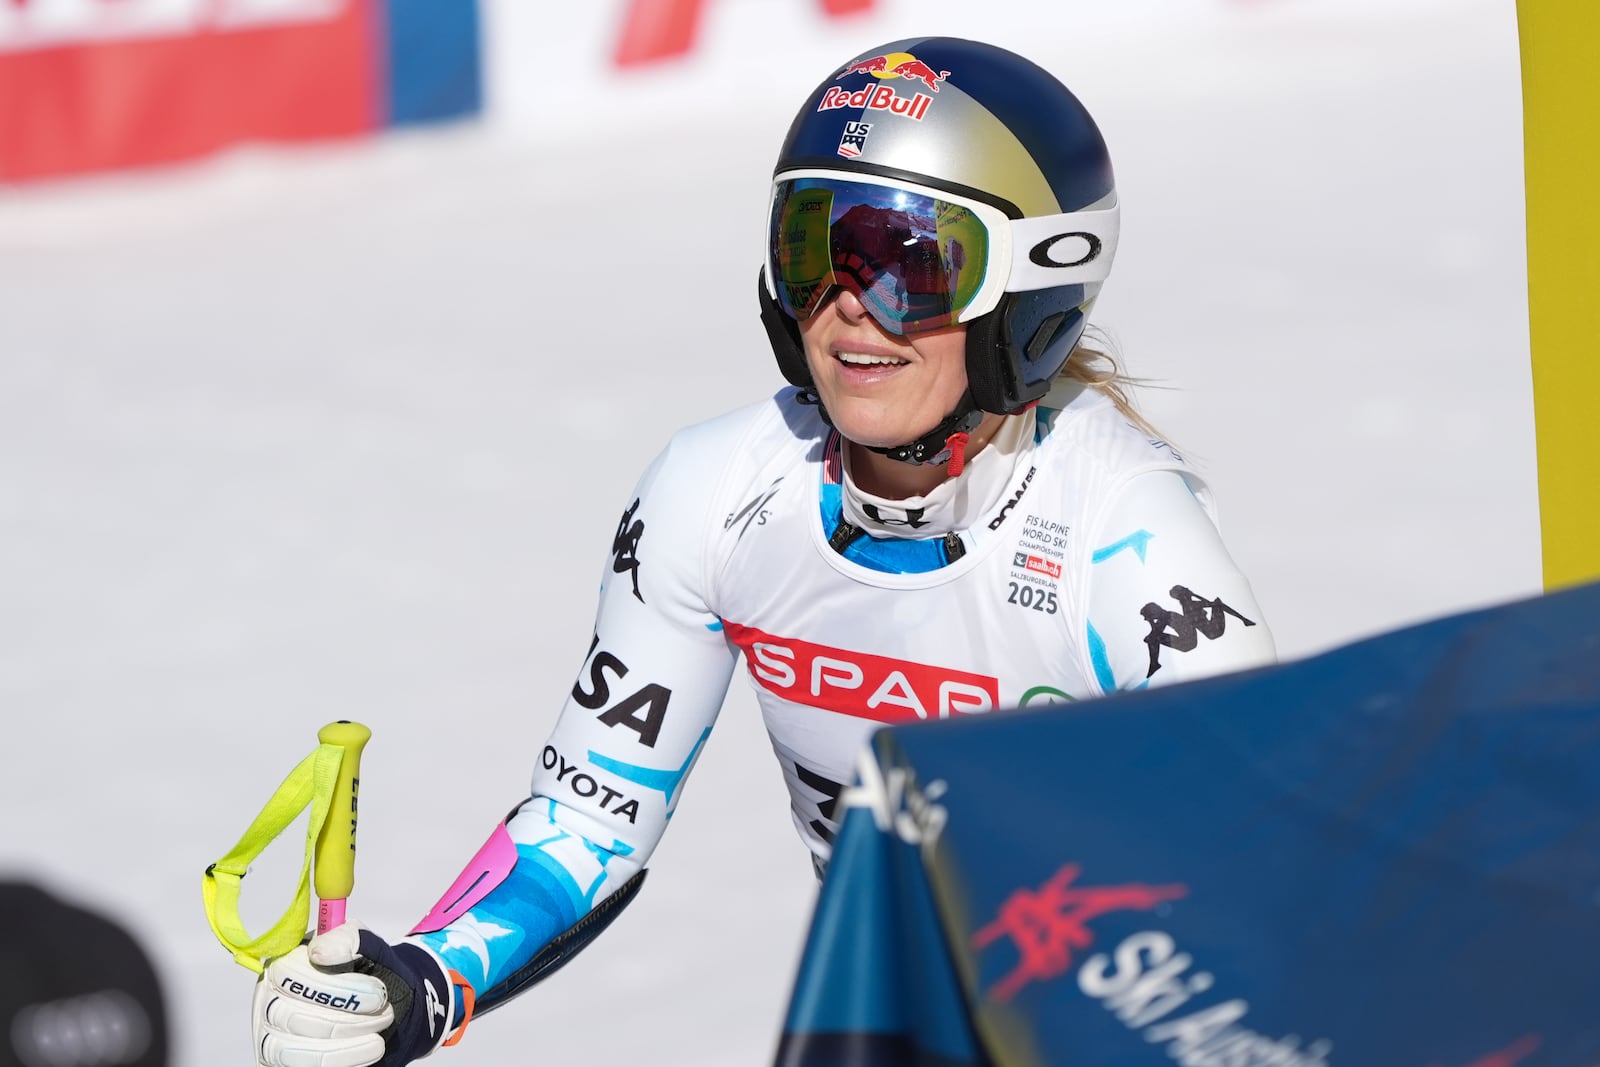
x,y
335,862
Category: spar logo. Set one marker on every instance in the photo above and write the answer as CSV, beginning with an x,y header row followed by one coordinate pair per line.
x,y
880,96
858,684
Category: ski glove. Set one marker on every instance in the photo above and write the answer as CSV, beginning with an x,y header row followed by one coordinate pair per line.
x,y
347,998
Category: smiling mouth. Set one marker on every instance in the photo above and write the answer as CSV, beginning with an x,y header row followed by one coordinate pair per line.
x,y
862,359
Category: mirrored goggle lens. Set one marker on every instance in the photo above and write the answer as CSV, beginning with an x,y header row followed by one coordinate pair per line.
x,y
915,261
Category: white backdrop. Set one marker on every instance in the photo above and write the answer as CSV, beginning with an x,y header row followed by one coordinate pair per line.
x,y
344,431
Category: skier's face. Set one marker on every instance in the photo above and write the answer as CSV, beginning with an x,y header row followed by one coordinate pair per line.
x,y
881,390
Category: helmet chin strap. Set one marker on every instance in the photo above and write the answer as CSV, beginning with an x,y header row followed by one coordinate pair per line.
x,y
945,443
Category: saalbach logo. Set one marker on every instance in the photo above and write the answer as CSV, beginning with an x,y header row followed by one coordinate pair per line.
x,y
1048,924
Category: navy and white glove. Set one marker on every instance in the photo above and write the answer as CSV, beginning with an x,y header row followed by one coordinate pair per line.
x,y
347,998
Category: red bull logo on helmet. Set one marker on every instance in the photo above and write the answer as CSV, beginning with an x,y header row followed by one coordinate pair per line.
x,y
897,65
882,97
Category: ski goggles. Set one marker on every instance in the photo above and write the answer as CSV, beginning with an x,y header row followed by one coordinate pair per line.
x,y
920,258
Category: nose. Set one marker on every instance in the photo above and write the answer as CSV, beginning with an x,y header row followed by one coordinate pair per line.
x,y
849,306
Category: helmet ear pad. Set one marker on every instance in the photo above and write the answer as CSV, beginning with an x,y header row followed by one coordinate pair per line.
x,y
784,334
1015,351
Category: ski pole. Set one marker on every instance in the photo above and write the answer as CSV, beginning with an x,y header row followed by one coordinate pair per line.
x,y
334,862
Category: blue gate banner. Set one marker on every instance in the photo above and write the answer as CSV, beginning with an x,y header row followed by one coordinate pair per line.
x,y
1384,856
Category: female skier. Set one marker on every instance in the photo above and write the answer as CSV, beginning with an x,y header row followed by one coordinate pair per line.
x,y
950,511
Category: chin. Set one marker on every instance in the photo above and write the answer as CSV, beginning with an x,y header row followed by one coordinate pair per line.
x,y
873,433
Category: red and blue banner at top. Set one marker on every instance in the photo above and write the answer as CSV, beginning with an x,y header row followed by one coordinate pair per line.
x,y
89,85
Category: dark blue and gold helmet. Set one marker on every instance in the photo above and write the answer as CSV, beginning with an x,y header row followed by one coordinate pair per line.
x,y
944,181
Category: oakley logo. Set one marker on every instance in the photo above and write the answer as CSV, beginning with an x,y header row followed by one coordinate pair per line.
x,y
1043,253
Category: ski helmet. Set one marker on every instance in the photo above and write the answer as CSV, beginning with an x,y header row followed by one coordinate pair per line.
x,y
944,181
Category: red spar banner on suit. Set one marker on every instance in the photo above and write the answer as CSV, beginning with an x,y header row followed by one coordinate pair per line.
x,y
661,29
859,684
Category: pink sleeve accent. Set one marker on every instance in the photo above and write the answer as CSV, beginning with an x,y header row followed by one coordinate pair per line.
x,y
487,870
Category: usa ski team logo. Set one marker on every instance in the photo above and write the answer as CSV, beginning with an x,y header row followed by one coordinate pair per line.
x,y
854,139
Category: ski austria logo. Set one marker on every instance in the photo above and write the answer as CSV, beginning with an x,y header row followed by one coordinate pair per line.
x,y
1045,925
1144,981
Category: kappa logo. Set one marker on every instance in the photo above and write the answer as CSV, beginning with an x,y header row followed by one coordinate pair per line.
x,y
858,684
1181,630
625,547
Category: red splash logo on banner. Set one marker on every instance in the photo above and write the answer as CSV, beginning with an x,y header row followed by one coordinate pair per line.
x,y
1048,924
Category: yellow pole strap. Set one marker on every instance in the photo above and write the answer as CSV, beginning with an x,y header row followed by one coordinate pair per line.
x,y
311,784
1561,156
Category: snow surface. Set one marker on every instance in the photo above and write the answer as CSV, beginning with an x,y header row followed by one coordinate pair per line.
x,y
344,431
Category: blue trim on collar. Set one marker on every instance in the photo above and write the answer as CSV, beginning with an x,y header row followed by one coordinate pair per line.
x,y
891,555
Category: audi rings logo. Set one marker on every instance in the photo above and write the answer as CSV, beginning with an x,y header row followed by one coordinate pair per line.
x,y
98,1030
1046,253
